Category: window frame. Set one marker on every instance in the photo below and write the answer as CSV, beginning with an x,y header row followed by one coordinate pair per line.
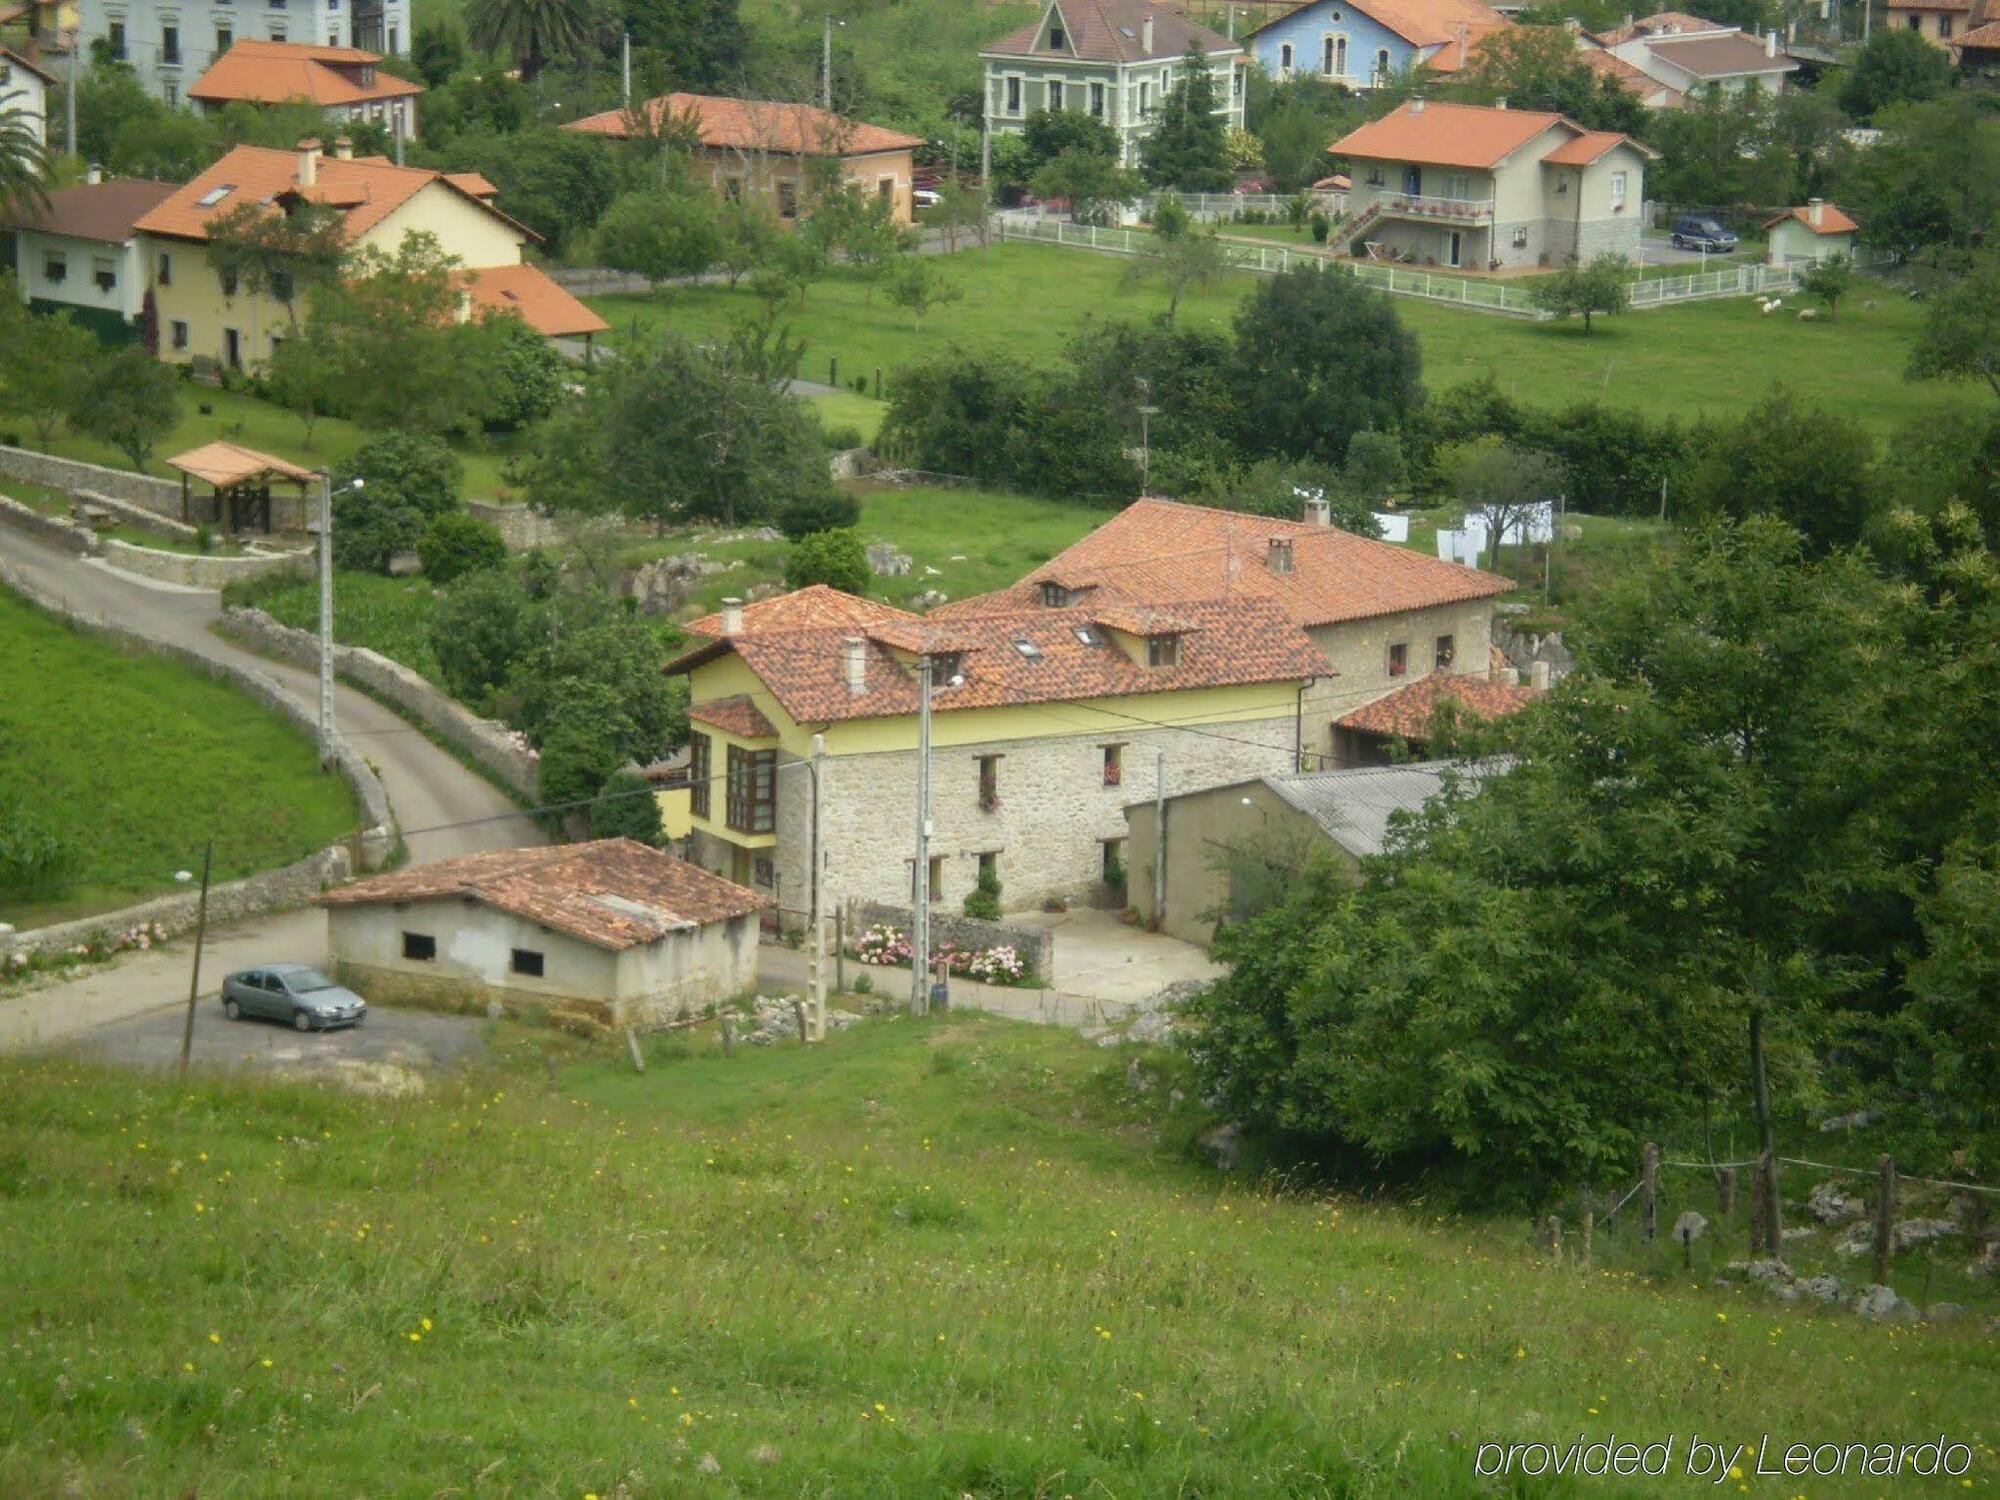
x,y
419,947
1163,650
55,266
1398,662
750,790
1444,651
988,793
700,772
531,963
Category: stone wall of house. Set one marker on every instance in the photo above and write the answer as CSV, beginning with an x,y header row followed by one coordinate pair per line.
x,y
200,570
949,925
61,530
1055,813
1357,652
1595,237
487,742
162,495
275,890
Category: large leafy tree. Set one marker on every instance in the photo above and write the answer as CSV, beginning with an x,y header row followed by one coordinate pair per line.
x,y
1318,358
45,363
556,182
1961,333
1930,188
1093,184
1539,67
1188,147
24,163
660,235
129,400
533,32
1812,468
281,254
1896,67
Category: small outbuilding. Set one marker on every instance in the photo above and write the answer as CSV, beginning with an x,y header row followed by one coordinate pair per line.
x,y
1818,231
239,481
610,932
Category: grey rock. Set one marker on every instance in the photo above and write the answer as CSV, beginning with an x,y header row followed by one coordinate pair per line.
x,y
1224,1145
709,1464
885,561
405,565
1919,1232
1944,1312
1882,1304
1799,1232
1137,1079
1689,1227
1768,1271
1830,1205
1853,1120
1821,1288
930,599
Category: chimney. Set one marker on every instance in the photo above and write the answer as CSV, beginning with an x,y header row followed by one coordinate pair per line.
x,y
1319,511
1146,36
855,651
1538,676
1417,106
343,148
1278,556
93,174
732,616
309,162
1815,211
1771,42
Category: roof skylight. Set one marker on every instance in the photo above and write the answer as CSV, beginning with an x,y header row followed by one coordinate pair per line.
x,y
215,195
1027,648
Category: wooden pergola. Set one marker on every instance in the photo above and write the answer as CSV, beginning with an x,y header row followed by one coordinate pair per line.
x,y
241,481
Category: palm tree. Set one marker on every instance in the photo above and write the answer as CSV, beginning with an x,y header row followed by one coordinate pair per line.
x,y
24,163
532,30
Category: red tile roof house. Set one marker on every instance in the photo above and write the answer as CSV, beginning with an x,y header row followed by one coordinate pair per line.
x,y
1490,187
1227,643
606,933
344,81
765,149
1688,54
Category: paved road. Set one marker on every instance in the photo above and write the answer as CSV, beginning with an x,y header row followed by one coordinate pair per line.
x,y
388,1052
428,789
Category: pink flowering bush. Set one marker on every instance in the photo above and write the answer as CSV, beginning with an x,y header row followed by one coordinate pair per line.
x,y
20,966
885,944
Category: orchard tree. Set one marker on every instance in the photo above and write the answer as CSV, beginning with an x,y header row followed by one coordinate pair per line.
x,y
920,284
1603,286
1093,184
1191,261
662,236
46,362
131,401
1829,280
304,375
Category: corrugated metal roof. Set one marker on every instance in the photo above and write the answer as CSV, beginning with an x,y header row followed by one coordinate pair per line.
x,y
1354,807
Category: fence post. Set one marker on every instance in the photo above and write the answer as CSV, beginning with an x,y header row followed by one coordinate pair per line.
x,y
840,950
1885,1217
728,1036
1552,1237
1589,1233
1649,1190
799,1017
1725,1194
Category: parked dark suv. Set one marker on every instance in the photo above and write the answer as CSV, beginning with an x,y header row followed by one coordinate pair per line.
x,y
1693,232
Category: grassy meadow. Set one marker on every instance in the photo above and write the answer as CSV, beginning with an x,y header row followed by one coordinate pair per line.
x,y
1699,359
140,760
944,1258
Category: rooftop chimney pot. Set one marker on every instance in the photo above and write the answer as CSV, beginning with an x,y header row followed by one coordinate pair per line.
x,y
1815,211
732,616
309,162
1146,35
855,651
93,174
1771,42
343,148
1501,102
1416,106
1538,676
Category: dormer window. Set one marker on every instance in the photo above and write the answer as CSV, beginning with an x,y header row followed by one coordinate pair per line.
x,y
946,666
1279,557
1163,650
1056,41
1054,595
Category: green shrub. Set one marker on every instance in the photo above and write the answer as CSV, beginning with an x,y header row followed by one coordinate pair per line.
x,y
864,984
840,439
457,544
626,809
835,558
1114,875
1321,226
37,860
983,900
829,510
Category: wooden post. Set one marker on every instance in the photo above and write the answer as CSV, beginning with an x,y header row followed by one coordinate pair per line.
x,y
840,950
799,1016
1552,1237
1725,1194
194,977
632,1043
1767,1141
728,1036
1649,1190
1885,1218
1589,1233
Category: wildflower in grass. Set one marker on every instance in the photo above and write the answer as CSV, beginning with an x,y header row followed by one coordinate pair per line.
x,y
187,1367
265,1363
215,1338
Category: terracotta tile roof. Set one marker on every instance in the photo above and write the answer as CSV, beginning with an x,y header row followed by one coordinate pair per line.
x,y
1729,56
223,463
1588,147
106,211
473,183
1426,23
1140,619
1979,37
816,604
613,893
367,190
751,125
1447,135
542,305
1019,655
736,715
22,62
1831,219
1406,713
1110,31
1662,23
1168,554
277,72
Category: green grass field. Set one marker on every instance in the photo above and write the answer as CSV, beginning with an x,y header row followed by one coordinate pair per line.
x,y
141,760
945,1258
389,615
1699,359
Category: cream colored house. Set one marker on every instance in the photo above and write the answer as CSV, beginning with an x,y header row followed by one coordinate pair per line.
x,y
204,314
610,932
1485,187
80,253
1203,645
1817,231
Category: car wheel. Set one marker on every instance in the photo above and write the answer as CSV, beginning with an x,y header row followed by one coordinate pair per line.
x,y
301,1021
231,1009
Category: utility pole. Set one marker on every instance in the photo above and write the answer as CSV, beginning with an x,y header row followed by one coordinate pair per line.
x,y
397,117
1146,413
1160,839
816,902
826,62
194,979
326,616
920,925
625,70
69,94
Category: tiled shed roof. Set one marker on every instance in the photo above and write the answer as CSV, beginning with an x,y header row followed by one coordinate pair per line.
x,y
1407,712
815,604
736,715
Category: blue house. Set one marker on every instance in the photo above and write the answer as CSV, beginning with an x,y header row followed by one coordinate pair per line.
x,y
1362,45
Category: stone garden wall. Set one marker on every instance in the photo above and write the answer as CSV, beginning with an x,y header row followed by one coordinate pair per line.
x,y
200,570
67,474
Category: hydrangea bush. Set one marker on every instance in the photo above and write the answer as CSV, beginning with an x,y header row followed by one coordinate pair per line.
x,y
886,944
18,967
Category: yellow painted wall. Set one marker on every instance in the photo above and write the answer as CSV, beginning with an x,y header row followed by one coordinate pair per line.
x,y
463,228
676,819
716,822
195,297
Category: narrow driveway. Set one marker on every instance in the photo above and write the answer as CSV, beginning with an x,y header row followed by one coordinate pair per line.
x,y
443,808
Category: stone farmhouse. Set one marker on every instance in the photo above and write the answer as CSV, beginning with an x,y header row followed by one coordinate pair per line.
x,y
1489,187
1220,645
206,315
770,153
1114,60
1363,44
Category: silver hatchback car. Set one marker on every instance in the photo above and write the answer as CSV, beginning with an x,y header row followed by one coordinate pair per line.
x,y
291,992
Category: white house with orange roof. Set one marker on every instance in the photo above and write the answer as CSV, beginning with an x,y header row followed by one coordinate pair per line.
x,y
1487,187
169,43
1815,231
346,82
204,314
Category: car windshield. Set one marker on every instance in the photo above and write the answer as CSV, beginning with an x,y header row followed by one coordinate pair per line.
x,y
306,981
